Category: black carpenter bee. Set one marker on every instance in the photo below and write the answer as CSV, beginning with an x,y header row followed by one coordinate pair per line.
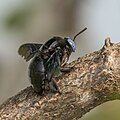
x,y
48,61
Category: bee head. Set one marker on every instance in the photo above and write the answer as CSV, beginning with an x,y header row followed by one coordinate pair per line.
x,y
70,41
71,44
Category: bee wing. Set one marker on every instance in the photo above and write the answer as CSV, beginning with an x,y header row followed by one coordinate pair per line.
x,y
52,65
28,50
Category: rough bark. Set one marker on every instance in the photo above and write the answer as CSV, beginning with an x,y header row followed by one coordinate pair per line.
x,y
94,80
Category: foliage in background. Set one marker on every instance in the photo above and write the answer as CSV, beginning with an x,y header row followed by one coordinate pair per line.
x,y
18,19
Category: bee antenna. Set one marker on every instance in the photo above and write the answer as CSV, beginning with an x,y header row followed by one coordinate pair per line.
x,y
79,33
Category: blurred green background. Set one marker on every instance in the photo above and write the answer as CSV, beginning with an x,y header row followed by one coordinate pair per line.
x,y
36,21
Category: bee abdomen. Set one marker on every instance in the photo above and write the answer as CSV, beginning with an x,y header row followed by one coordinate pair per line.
x,y
37,75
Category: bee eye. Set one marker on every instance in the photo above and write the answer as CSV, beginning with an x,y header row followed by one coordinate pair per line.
x,y
71,43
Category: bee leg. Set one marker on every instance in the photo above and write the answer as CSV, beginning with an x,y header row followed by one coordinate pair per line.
x,y
66,69
54,86
43,87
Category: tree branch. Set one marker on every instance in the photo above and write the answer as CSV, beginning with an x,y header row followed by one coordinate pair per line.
x,y
94,80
